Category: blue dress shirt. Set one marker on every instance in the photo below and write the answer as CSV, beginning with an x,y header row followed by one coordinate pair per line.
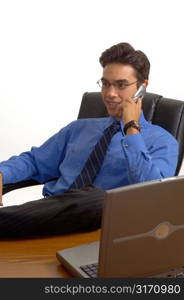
x,y
150,155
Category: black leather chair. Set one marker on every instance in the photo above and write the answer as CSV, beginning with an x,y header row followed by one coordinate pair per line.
x,y
167,113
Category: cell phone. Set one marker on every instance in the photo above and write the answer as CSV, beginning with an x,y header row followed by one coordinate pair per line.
x,y
140,93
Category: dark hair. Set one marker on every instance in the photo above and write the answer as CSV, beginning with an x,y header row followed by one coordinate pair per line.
x,y
124,53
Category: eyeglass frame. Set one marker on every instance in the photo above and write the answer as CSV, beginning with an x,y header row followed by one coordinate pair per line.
x,y
115,84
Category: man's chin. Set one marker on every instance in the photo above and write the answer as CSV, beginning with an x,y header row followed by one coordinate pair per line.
x,y
115,115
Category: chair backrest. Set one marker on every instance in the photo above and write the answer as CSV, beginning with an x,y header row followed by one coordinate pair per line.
x,y
165,112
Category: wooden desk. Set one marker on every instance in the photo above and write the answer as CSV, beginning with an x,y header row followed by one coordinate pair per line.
x,y
37,257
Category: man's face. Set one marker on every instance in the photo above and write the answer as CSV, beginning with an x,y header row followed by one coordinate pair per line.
x,y
113,95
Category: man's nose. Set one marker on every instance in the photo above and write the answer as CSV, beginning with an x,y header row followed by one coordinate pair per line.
x,y
111,91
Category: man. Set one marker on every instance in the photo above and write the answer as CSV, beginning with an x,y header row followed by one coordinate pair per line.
x,y
90,156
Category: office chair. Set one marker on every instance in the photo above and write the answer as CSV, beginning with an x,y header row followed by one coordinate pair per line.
x,y
165,112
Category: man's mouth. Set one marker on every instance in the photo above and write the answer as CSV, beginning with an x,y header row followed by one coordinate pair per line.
x,y
112,104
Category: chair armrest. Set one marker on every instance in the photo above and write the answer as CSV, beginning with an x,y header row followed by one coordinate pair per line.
x,y
1,188
14,186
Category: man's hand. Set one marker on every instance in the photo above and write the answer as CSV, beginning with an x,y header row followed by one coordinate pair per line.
x,y
131,110
1,189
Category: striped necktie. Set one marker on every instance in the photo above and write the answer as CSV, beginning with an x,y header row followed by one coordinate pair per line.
x,y
96,158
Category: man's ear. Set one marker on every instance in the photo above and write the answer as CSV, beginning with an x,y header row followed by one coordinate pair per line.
x,y
145,83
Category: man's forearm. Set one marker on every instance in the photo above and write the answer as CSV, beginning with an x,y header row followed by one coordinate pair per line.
x,y
1,188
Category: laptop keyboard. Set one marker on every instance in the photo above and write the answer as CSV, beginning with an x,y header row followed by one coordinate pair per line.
x,y
173,273
90,270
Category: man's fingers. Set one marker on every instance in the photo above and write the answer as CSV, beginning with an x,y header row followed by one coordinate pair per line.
x,y
131,100
139,100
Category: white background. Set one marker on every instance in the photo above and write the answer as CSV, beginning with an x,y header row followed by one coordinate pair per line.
x,y
49,51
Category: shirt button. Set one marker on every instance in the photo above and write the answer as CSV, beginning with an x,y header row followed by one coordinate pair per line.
x,y
125,145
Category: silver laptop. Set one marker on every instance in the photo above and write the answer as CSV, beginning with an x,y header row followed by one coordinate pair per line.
x,y
142,234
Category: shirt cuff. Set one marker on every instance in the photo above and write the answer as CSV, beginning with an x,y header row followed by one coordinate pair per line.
x,y
6,175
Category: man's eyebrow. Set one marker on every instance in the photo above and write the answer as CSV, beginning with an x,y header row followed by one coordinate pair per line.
x,y
118,80
121,80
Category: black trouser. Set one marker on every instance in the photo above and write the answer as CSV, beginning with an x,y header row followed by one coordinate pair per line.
x,y
73,211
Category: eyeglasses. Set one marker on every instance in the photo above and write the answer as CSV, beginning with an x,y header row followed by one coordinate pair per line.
x,y
119,84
